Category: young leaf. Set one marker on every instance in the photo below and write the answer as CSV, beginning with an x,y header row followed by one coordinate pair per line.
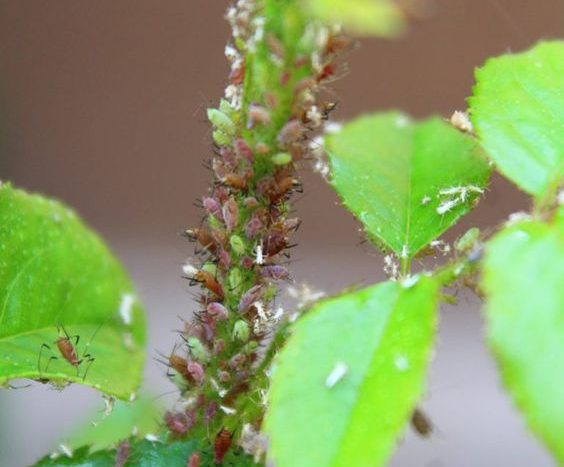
x,y
55,273
145,453
406,182
367,17
517,109
350,375
523,280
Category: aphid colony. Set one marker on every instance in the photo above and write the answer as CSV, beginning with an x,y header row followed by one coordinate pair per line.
x,y
243,241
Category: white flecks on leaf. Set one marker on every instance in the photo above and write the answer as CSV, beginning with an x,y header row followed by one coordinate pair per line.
x,y
337,374
227,410
401,362
126,308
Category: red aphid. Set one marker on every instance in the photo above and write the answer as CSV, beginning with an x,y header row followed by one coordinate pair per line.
x,y
217,310
275,272
243,150
221,445
194,460
231,214
122,453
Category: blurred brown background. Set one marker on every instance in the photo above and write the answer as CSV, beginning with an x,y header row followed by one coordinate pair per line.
x,y
102,105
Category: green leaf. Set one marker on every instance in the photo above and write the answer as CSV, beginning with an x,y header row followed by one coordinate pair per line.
x,y
143,416
54,272
517,109
392,174
379,341
145,453
366,17
523,280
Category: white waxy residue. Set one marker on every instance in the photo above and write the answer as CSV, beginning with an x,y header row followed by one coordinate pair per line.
x,y
337,374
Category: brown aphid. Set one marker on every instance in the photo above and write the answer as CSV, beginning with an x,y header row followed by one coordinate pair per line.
x,y
221,445
421,423
337,43
193,460
122,453
180,365
283,188
67,349
235,181
207,280
203,237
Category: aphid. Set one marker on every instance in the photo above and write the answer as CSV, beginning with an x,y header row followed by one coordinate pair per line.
x,y
252,295
177,424
243,150
446,206
221,445
210,412
212,206
122,453
217,310
205,279
230,214
328,72
194,460
337,43
290,133
257,115
221,122
421,423
67,349
283,188
196,372
203,237
237,73
253,227
234,181
275,272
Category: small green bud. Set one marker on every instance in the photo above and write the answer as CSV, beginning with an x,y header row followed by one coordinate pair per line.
x,y
282,158
467,241
210,267
241,331
235,279
237,244
221,122
197,349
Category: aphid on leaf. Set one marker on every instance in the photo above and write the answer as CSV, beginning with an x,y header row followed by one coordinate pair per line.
x,y
290,133
421,423
67,350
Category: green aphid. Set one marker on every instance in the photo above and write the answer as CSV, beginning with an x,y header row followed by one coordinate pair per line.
x,y
241,331
210,267
237,245
197,349
282,158
235,280
221,122
468,240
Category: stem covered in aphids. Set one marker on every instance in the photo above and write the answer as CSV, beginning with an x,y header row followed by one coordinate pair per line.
x,y
279,59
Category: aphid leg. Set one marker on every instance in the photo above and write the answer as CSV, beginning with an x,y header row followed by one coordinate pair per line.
x,y
51,358
89,361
